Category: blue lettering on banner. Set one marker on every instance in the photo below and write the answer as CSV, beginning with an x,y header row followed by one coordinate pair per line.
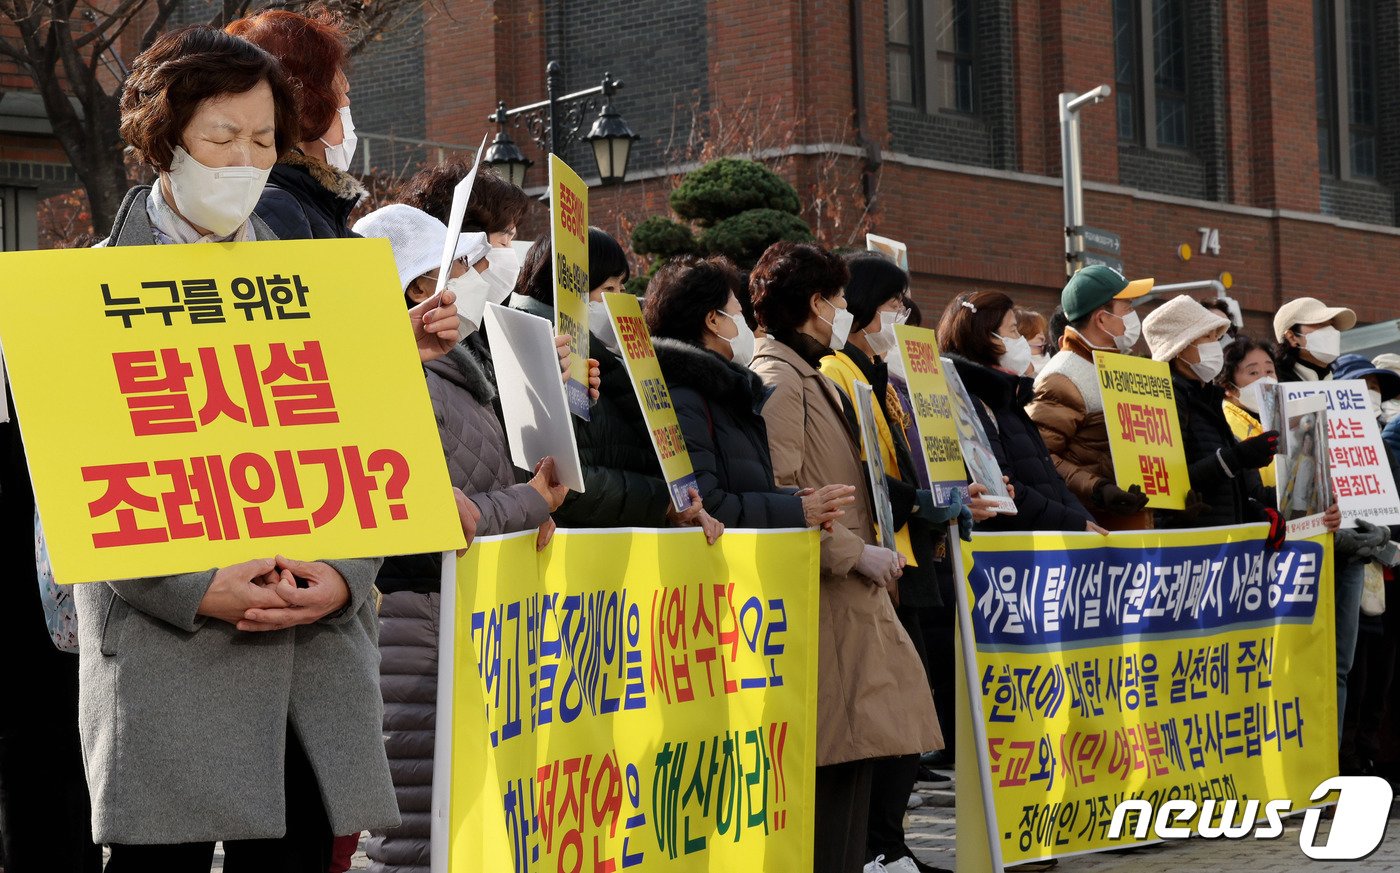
x,y
1052,598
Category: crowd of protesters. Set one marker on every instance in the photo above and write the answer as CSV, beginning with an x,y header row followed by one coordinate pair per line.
x,y
284,706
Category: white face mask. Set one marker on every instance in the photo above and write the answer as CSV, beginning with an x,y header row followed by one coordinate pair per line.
x,y
339,156
840,327
742,343
1252,395
218,200
503,266
1017,357
883,341
472,293
1325,344
1132,330
1375,401
601,326
1212,359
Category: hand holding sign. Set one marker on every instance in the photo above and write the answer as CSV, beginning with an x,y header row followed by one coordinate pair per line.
x,y
435,325
546,483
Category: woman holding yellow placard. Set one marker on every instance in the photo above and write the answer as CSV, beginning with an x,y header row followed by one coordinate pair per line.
x,y
242,703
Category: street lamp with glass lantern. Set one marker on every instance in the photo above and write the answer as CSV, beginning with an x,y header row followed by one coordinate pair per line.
x,y
557,121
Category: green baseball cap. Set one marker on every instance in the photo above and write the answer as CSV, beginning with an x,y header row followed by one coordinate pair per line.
x,y
1094,286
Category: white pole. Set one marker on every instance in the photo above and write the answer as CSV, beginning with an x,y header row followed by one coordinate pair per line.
x,y
442,726
974,696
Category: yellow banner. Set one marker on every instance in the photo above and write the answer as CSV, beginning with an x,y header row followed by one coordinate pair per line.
x,y
933,411
209,404
1171,665
653,396
1144,432
635,700
568,229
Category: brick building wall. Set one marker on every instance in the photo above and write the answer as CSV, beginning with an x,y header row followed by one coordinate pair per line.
x,y
978,197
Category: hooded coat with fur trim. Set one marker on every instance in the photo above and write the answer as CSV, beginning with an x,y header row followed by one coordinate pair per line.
x,y
307,198
719,405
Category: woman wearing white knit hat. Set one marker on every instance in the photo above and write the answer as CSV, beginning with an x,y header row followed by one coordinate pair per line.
x,y
1224,471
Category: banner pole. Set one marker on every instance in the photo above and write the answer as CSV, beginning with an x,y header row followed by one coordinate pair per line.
x,y
979,726
441,846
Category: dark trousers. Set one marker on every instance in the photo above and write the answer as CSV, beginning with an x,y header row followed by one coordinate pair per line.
x,y
938,623
892,779
45,816
305,849
842,805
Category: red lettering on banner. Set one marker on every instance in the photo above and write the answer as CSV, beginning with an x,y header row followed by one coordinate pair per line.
x,y
632,332
921,357
206,497
1146,424
158,398
571,214
1154,474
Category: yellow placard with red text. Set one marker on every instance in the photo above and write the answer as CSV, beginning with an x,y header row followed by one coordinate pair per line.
x,y
1144,432
933,411
568,233
195,406
652,395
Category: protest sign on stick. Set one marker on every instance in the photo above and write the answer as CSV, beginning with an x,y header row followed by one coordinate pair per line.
x,y
932,405
568,233
653,396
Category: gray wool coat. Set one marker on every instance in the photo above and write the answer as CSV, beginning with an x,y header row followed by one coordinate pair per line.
x,y
184,719
478,462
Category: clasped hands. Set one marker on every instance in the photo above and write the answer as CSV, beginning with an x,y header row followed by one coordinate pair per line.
x,y
264,595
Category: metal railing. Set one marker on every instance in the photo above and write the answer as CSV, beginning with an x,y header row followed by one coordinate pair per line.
x,y
365,152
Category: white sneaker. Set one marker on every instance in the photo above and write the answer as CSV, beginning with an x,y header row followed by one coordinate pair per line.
x,y
915,801
875,866
903,865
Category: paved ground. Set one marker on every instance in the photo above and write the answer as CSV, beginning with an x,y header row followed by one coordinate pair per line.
x,y
930,832
930,829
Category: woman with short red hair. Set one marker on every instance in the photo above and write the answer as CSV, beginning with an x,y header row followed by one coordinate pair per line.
x,y
310,193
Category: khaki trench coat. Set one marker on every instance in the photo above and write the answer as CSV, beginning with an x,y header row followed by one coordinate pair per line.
x,y
873,697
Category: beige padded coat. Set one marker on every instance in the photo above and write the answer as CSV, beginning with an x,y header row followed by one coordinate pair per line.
x,y
873,697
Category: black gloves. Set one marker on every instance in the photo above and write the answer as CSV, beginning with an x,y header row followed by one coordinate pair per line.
x,y
1253,453
1116,500
1195,506
1278,529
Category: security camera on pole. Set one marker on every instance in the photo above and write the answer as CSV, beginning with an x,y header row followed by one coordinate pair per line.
x,y
1076,234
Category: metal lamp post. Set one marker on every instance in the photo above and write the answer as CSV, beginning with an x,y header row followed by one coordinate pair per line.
x,y
558,121
1073,171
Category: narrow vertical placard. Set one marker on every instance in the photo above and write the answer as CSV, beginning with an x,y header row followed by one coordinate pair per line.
x,y
653,396
568,233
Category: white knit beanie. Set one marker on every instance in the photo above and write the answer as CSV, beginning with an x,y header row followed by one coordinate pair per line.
x,y
416,238
1177,324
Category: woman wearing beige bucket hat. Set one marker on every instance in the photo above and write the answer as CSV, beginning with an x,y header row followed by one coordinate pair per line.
x,y
1309,334
1224,471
